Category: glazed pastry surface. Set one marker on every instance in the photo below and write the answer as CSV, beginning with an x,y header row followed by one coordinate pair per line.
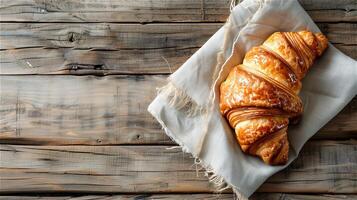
x,y
260,96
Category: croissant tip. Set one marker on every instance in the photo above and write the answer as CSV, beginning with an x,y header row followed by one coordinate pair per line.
x,y
323,43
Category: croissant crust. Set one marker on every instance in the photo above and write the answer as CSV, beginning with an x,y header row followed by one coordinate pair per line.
x,y
260,96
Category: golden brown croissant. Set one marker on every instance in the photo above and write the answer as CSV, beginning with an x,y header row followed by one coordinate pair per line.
x,y
260,96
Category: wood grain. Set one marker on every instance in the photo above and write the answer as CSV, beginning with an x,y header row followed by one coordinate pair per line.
x,y
95,37
322,167
62,110
275,196
208,196
99,48
145,11
107,48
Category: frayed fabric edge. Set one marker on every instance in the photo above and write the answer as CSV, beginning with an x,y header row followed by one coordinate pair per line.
x,y
218,181
178,99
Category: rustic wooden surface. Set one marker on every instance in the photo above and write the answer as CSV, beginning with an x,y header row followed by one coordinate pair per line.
x,y
145,11
102,49
90,137
257,196
322,167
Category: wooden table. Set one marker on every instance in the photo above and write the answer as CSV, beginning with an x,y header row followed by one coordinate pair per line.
x,y
66,136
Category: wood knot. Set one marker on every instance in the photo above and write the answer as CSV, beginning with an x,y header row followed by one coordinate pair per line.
x,y
73,36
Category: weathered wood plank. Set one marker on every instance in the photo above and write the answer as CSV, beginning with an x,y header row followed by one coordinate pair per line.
x,y
322,167
349,50
275,196
79,110
153,11
97,48
61,110
208,196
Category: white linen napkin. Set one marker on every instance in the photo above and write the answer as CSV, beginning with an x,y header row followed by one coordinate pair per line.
x,y
188,108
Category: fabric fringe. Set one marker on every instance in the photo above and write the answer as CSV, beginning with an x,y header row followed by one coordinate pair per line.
x,y
234,3
218,181
178,99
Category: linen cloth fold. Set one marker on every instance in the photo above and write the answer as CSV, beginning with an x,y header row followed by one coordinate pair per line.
x,y
188,107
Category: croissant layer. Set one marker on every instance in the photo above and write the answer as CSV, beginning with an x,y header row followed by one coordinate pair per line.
x,y
260,96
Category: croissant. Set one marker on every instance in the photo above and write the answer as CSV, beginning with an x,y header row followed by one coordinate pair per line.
x,y
260,96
